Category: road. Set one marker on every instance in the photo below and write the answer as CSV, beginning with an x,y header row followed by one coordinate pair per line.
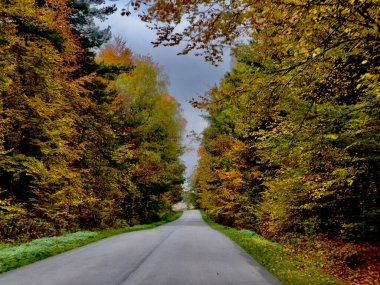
x,y
184,252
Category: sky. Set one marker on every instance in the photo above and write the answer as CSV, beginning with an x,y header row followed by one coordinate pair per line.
x,y
189,76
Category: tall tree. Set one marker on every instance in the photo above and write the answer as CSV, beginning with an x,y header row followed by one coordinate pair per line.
x,y
157,124
72,153
304,100
40,102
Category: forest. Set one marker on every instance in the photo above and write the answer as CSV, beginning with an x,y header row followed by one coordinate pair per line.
x,y
292,150
88,140
292,147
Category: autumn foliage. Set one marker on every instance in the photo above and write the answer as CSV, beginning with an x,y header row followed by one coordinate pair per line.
x,y
292,147
78,149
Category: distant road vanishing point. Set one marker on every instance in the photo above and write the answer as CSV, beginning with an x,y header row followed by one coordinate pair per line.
x,y
184,252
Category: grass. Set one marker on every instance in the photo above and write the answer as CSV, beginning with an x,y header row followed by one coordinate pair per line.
x,y
14,256
275,258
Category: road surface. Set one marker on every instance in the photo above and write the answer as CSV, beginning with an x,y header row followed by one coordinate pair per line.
x,y
184,252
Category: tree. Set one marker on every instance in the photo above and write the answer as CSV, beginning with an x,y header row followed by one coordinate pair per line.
x,y
303,100
69,157
156,125
81,18
212,25
40,103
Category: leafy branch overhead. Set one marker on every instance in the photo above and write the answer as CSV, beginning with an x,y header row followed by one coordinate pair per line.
x,y
210,26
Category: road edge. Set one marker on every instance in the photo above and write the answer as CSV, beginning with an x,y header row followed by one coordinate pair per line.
x,y
16,256
274,258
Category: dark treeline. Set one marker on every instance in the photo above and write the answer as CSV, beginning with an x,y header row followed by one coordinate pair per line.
x,y
84,142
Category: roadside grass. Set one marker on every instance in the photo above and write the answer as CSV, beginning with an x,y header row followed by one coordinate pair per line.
x,y
14,256
275,258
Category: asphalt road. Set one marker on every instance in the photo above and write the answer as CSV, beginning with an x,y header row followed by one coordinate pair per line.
x,y
184,252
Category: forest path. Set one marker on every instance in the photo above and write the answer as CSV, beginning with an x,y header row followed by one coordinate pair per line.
x,y
186,251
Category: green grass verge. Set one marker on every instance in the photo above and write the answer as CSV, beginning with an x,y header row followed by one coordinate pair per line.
x,y
14,256
275,258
